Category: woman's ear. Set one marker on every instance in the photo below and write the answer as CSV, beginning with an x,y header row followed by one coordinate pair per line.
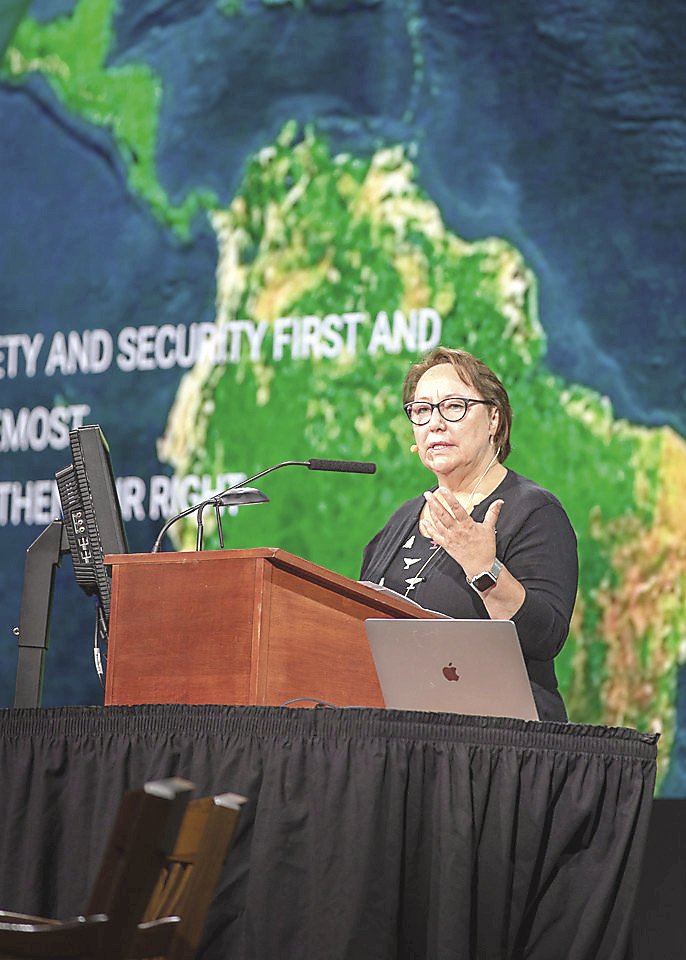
x,y
494,423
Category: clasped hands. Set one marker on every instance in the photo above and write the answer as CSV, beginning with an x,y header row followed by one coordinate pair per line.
x,y
446,521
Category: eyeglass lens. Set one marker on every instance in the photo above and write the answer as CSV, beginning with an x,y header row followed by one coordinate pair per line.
x,y
452,409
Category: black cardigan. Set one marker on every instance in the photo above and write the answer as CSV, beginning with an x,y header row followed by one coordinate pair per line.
x,y
537,544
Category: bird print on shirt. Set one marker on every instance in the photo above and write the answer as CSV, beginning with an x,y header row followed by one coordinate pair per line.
x,y
413,582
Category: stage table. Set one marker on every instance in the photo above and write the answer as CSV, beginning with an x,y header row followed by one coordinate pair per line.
x,y
369,834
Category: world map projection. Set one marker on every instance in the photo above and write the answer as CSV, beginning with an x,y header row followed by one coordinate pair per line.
x,y
230,227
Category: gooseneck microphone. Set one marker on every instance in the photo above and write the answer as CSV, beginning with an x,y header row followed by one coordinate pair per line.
x,y
335,466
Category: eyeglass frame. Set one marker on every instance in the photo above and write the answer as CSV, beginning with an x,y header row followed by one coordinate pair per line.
x,y
437,406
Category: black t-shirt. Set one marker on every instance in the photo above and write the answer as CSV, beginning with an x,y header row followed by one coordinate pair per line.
x,y
535,541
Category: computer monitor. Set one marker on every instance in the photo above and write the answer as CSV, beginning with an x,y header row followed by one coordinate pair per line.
x,y
92,514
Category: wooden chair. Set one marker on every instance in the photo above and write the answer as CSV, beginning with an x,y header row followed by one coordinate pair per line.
x,y
143,834
175,918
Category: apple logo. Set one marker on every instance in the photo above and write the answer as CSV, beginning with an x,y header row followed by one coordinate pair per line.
x,y
450,672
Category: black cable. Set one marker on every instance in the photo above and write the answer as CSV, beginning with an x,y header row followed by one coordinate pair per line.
x,y
315,700
325,703
99,633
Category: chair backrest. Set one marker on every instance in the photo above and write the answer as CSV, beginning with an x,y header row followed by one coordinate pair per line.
x,y
143,835
174,920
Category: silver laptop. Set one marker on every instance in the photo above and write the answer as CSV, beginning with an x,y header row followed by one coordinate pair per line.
x,y
452,666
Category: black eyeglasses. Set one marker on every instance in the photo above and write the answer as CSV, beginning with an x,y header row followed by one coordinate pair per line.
x,y
451,409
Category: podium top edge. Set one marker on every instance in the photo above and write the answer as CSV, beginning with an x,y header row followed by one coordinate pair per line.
x,y
183,556
383,604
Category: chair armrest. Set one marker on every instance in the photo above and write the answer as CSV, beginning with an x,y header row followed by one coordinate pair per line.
x,y
73,938
6,916
153,938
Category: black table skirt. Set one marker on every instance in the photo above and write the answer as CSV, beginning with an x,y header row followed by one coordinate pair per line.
x,y
368,833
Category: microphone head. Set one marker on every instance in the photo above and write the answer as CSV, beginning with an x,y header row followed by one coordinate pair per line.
x,y
342,466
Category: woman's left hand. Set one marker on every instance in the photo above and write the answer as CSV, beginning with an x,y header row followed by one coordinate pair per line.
x,y
470,543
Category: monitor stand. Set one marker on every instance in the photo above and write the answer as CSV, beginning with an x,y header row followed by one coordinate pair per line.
x,y
33,632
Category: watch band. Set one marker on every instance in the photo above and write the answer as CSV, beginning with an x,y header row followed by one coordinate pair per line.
x,y
486,579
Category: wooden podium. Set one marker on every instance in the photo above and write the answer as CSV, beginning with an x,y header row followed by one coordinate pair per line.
x,y
257,626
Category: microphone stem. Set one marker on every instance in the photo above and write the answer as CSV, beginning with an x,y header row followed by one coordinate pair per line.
x,y
286,463
170,522
215,499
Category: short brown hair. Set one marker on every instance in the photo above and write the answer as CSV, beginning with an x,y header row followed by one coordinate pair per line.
x,y
474,372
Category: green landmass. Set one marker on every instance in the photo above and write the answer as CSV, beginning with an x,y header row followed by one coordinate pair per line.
x,y
309,234
71,53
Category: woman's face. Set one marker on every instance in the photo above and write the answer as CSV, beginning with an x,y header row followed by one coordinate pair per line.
x,y
454,450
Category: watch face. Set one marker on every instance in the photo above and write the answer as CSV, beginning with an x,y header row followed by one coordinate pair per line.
x,y
483,582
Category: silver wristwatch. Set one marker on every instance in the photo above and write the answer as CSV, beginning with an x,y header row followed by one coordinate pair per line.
x,y
484,581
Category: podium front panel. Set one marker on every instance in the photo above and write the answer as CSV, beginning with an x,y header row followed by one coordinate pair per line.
x,y
182,630
257,626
